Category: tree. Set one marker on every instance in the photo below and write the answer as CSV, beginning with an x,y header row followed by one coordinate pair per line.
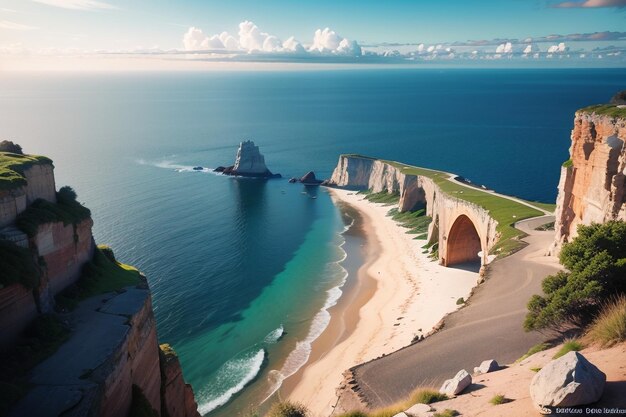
x,y
595,263
8,146
66,195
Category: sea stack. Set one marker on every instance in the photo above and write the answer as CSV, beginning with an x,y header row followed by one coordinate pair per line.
x,y
249,162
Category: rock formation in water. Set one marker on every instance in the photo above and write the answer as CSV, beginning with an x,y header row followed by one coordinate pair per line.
x,y
249,162
110,361
307,179
593,182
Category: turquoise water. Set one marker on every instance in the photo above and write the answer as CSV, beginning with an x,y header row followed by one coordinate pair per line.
x,y
242,270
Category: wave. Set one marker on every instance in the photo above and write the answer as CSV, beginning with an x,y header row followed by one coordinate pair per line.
x,y
172,165
275,335
243,370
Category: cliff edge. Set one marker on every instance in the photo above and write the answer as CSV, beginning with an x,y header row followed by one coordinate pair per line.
x,y
77,330
593,182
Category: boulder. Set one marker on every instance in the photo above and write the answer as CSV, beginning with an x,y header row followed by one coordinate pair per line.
x,y
570,380
249,162
309,178
457,384
486,367
420,410
293,180
198,168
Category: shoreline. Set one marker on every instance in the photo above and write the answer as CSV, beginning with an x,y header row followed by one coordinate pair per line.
x,y
377,315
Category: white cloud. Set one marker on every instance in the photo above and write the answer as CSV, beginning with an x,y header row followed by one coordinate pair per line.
x,y
89,5
252,40
5,24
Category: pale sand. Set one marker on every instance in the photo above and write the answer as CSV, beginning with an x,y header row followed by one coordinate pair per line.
x,y
397,281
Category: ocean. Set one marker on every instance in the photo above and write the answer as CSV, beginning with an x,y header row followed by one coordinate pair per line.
x,y
243,271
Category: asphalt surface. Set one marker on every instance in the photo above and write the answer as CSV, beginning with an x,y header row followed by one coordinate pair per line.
x,y
489,327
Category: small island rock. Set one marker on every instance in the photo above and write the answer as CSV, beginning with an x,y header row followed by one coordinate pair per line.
x,y
249,162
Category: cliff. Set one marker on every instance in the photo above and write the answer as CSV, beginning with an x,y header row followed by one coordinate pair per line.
x,y
249,162
592,184
468,223
107,360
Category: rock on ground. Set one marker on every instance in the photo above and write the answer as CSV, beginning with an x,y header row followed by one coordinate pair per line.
x,y
457,384
486,367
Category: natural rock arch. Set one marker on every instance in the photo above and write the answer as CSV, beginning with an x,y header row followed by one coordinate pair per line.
x,y
463,242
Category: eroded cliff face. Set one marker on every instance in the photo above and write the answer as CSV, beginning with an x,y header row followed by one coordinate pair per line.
x,y
592,184
356,172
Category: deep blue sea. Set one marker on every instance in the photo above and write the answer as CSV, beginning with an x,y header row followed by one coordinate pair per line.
x,y
242,271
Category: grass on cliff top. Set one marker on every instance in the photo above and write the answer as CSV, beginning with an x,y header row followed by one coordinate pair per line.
x,y
12,168
504,211
66,210
610,110
101,275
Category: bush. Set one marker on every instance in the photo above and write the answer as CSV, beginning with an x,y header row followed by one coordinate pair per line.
x,y
446,413
460,301
610,325
66,195
288,409
596,269
568,346
499,399
43,211
353,414
8,146
427,396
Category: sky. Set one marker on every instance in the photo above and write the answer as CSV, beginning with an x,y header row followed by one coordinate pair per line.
x,y
63,29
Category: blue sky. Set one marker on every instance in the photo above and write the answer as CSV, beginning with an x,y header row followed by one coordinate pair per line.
x,y
116,24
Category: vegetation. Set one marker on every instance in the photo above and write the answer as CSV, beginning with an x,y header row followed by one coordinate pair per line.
x,y
8,146
504,211
40,340
353,414
66,210
100,275
535,349
13,165
426,396
383,197
544,227
140,406
499,399
18,265
288,409
416,220
570,345
419,396
568,163
460,301
596,270
605,110
549,207
609,327
536,369
446,413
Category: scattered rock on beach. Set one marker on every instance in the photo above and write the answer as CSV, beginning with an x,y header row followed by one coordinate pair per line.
x,y
486,367
570,380
419,410
457,384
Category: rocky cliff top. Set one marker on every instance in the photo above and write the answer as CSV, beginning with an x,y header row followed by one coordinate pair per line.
x,y
611,110
13,165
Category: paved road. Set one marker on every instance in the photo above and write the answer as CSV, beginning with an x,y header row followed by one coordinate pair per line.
x,y
489,327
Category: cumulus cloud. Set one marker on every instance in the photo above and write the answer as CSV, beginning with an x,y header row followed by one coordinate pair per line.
x,y
87,5
591,3
251,39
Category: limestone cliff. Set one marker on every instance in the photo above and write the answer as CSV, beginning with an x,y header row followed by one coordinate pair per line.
x,y
593,181
111,360
357,172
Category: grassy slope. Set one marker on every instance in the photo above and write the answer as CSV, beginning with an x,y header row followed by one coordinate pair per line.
x,y
12,168
504,211
606,110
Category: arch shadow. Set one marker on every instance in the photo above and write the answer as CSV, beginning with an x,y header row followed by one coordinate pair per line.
x,y
463,244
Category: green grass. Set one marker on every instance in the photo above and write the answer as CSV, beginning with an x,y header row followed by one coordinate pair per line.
x,y
416,221
288,409
12,167
606,110
100,275
536,369
353,414
549,207
504,211
18,265
610,325
567,163
383,197
446,413
535,349
427,396
418,396
571,345
499,399
43,211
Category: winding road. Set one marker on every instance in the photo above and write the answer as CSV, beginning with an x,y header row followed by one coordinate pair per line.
x,y
488,327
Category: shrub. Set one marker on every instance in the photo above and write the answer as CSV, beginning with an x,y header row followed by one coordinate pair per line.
x,y
610,325
288,409
8,146
460,301
596,267
427,396
499,399
66,195
535,349
568,346
353,414
446,413
568,163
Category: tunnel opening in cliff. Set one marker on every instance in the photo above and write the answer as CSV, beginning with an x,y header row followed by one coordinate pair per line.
x,y
463,243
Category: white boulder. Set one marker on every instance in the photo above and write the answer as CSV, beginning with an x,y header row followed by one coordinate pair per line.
x,y
457,384
249,160
567,381
486,367
420,410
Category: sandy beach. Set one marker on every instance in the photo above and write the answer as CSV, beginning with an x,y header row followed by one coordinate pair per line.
x,y
400,293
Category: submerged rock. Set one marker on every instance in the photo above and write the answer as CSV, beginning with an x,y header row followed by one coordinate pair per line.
x,y
249,162
198,168
568,381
